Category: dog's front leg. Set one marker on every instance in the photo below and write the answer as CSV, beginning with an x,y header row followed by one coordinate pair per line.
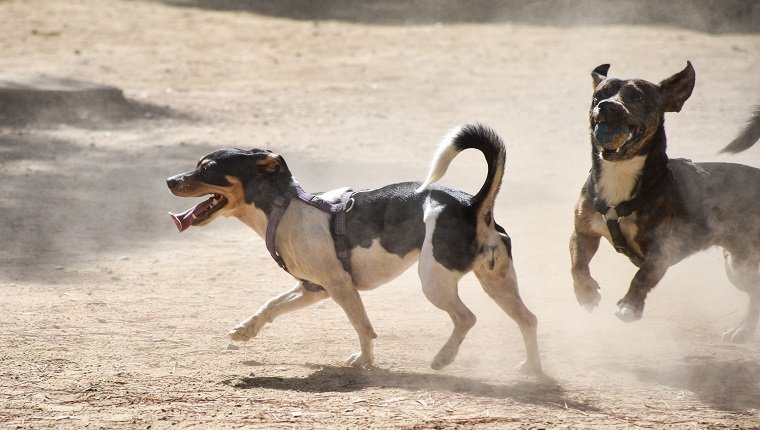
x,y
296,298
583,246
631,307
347,297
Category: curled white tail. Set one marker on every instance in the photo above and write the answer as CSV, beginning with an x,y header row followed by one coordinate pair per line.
x,y
445,153
485,140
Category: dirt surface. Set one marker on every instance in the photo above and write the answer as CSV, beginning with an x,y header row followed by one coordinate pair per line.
x,y
110,319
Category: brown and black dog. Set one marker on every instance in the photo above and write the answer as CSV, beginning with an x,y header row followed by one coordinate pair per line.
x,y
656,210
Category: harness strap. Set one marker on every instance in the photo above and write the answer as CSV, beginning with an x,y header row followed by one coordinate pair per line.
x,y
612,218
337,220
279,206
618,240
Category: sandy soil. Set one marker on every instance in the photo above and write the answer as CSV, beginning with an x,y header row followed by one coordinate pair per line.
x,y
110,319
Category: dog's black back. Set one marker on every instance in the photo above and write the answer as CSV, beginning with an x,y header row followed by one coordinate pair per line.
x,y
393,215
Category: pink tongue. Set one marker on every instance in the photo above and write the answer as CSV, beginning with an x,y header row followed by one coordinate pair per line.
x,y
184,220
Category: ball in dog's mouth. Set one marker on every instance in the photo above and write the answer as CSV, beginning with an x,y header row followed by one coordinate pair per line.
x,y
612,137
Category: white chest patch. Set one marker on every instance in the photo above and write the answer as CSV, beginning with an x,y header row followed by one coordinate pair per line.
x,y
617,179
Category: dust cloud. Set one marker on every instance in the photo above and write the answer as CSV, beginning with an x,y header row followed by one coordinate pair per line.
x,y
726,16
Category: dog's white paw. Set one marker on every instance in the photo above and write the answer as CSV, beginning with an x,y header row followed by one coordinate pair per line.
x,y
737,335
358,359
628,313
246,330
529,368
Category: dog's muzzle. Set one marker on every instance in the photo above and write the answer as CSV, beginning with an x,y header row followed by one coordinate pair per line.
x,y
612,131
198,213
612,138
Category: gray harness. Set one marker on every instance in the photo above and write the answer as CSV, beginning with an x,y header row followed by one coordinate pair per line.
x,y
337,213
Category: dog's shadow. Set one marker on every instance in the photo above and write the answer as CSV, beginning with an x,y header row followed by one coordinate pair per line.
x,y
542,391
724,385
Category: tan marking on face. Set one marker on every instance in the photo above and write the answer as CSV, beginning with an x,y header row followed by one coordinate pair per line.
x,y
271,163
235,193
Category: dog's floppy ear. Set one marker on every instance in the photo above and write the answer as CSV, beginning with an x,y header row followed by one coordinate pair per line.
x,y
600,73
677,88
272,164
268,176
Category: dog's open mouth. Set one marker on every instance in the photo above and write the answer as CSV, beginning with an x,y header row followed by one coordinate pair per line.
x,y
615,141
198,213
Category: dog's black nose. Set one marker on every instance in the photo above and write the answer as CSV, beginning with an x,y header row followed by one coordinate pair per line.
x,y
172,182
610,111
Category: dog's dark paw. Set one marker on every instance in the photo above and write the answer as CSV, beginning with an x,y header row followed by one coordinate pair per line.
x,y
587,294
628,312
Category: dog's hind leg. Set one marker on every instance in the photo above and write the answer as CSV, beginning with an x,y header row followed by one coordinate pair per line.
x,y
744,273
499,281
440,287
296,298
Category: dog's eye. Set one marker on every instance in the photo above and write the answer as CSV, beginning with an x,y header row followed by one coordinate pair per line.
x,y
633,94
600,96
206,170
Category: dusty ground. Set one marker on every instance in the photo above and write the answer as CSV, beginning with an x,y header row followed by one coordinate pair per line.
x,y
110,319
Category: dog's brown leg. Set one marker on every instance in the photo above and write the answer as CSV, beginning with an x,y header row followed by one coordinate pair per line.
x,y
745,275
583,246
631,307
289,301
500,283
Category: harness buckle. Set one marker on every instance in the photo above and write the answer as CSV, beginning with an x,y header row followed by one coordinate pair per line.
x,y
611,215
349,204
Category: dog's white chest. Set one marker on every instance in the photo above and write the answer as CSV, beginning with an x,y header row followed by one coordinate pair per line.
x,y
617,179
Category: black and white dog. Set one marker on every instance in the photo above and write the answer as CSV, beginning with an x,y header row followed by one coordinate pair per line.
x,y
657,210
449,233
